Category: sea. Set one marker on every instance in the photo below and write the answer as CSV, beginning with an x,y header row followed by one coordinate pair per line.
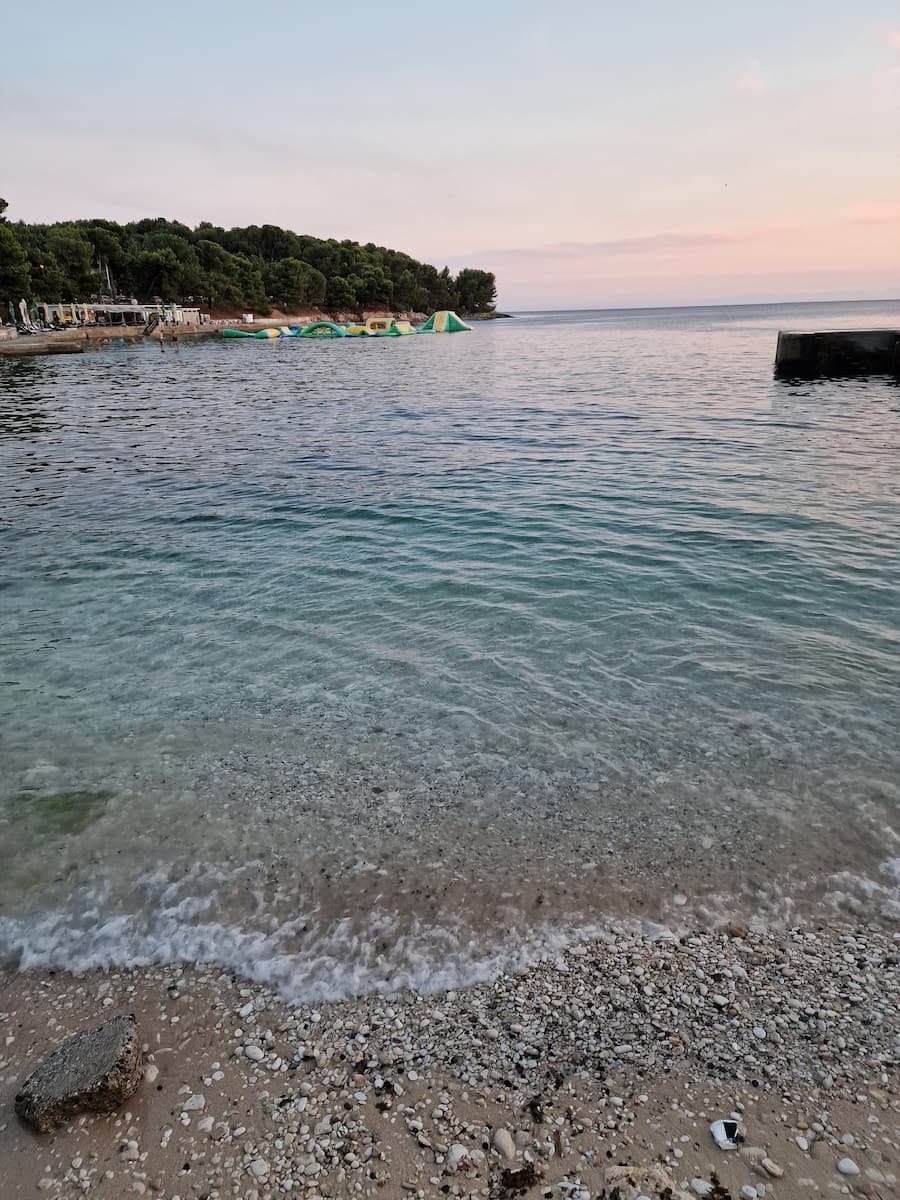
x,y
365,665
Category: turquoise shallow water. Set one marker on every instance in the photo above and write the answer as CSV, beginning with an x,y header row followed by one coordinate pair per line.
x,y
585,597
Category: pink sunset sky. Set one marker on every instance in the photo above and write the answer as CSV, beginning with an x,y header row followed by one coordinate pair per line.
x,y
590,155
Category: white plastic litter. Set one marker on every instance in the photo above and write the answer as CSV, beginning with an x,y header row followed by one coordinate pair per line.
x,y
726,1134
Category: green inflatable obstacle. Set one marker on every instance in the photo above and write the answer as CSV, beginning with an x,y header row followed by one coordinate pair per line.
x,y
439,322
272,331
445,322
323,329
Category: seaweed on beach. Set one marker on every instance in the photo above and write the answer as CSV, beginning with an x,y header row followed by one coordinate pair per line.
x,y
515,1181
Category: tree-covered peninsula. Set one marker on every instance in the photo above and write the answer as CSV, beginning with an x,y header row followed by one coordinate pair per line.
x,y
255,268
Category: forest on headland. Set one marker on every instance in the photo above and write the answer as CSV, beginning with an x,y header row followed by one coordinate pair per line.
x,y
255,268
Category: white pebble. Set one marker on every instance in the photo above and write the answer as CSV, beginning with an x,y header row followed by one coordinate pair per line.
x,y
504,1144
848,1167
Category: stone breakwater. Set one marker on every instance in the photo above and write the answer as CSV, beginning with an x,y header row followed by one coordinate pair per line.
x,y
597,1074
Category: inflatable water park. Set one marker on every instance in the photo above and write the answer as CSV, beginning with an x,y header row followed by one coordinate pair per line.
x,y
439,322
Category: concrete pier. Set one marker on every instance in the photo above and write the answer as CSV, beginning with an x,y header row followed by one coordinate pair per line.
x,y
75,340
838,352
35,346
31,347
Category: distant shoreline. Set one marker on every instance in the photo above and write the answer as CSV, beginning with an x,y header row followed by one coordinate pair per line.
x,y
79,338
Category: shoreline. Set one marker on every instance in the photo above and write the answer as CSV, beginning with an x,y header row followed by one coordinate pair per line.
x,y
620,1051
74,341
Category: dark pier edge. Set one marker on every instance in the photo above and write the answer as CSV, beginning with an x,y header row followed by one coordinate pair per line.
x,y
844,352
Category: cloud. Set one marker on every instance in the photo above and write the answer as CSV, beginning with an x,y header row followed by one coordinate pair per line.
x,y
655,243
892,38
876,212
751,78
652,244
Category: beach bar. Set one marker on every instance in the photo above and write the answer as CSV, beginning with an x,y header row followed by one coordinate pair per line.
x,y
121,313
838,352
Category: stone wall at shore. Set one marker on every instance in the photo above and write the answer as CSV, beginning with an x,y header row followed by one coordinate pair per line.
x,y
68,341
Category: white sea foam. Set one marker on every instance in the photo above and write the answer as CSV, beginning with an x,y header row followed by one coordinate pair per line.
x,y
866,897
305,959
333,965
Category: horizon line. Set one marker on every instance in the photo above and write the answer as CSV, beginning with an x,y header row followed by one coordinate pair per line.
x,y
711,304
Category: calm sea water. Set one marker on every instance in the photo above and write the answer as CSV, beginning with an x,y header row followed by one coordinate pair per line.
x,y
363,664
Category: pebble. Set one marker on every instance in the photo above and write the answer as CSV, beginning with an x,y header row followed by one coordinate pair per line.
x,y
847,1166
456,1156
254,1053
259,1168
504,1144
772,1168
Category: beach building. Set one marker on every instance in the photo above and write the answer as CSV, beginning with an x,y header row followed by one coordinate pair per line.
x,y
122,313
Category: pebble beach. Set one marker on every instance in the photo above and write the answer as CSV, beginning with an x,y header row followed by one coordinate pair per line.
x,y
596,1073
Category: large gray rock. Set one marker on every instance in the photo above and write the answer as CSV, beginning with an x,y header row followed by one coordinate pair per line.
x,y
92,1071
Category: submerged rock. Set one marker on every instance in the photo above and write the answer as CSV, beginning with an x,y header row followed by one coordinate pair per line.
x,y
92,1071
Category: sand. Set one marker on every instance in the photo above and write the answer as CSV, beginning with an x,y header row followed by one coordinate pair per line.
x,y
620,1052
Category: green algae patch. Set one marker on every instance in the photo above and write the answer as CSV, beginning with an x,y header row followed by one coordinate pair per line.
x,y
30,815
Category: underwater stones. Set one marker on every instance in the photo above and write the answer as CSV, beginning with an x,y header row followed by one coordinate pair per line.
x,y
92,1071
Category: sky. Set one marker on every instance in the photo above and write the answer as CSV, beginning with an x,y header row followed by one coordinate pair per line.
x,y
590,154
